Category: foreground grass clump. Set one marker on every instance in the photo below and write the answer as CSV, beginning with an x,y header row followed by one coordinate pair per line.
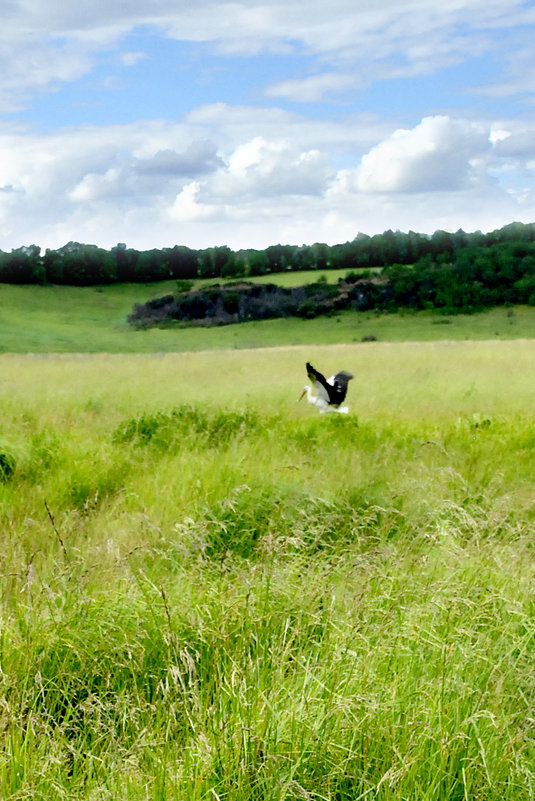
x,y
339,681
187,423
235,598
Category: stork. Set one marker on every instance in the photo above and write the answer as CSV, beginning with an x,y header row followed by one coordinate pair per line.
x,y
330,392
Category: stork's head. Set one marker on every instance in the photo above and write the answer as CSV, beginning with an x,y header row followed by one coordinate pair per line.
x,y
304,392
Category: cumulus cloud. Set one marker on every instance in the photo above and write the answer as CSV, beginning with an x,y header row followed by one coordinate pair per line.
x,y
157,174
516,145
439,154
128,182
252,175
198,158
188,206
272,168
209,180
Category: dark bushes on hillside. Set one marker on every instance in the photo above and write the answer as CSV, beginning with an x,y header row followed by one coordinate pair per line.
x,y
234,303
470,279
456,272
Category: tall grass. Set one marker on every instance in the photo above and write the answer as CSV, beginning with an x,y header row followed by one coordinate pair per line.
x,y
228,596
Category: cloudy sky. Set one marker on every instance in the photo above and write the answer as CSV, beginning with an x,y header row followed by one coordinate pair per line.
x,y
252,122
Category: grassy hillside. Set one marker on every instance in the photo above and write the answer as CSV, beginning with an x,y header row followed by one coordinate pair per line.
x,y
88,320
210,591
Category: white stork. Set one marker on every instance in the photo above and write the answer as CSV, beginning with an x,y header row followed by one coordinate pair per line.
x,y
330,392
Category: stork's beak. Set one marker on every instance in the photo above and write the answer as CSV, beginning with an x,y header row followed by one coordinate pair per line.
x,y
302,395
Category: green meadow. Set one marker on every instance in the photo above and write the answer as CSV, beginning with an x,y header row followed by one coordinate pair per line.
x,y
60,319
209,591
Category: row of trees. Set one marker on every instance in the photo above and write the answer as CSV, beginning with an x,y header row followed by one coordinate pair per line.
x,y
469,279
87,265
472,278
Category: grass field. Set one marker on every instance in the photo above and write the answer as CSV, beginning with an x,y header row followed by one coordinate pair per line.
x,y
211,592
36,319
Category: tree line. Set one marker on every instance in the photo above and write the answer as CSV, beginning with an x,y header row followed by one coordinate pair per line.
x,y
471,279
442,270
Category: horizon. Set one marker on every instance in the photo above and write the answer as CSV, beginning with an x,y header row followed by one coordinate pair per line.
x,y
296,245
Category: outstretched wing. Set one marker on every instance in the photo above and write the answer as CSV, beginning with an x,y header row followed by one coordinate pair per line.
x,y
341,380
320,383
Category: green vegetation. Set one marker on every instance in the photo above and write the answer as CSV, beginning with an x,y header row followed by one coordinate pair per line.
x,y
451,273
45,319
210,591
88,265
291,279
465,280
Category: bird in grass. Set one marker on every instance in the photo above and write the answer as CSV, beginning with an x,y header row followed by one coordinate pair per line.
x,y
330,392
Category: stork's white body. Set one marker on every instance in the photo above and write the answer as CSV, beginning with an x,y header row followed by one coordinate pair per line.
x,y
321,400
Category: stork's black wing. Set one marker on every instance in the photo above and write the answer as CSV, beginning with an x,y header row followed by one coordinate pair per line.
x,y
341,380
335,392
321,385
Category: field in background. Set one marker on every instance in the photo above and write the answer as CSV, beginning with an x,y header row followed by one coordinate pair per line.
x,y
210,591
39,319
298,278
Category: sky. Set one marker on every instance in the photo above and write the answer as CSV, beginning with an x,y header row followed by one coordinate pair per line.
x,y
250,123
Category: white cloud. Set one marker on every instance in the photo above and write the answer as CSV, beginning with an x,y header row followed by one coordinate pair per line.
x,y
313,88
130,59
519,144
98,187
199,157
42,43
209,180
439,154
247,175
517,76
497,134
262,168
188,207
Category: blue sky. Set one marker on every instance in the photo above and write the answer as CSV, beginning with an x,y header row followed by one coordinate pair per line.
x,y
250,123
